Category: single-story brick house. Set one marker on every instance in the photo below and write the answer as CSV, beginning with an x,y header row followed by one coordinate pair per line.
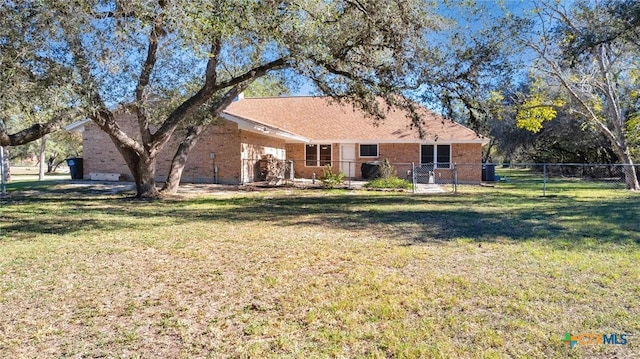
x,y
309,131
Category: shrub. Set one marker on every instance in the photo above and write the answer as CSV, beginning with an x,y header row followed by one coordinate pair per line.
x,y
329,178
391,182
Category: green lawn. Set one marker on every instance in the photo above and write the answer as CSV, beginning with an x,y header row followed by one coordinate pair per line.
x,y
489,272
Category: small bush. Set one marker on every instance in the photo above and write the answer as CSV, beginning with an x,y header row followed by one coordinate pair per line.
x,y
391,182
329,178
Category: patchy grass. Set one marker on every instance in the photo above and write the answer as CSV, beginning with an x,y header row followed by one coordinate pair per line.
x,y
484,274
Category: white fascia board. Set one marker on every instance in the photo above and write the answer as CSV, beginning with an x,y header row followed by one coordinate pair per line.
x,y
77,126
264,129
422,142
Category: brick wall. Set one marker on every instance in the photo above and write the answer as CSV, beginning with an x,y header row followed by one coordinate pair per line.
x,y
224,141
229,145
253,147
400,152
397,153
232,147
295,152
466,153
101,155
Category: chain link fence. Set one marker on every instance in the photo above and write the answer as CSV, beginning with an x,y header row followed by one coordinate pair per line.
x,y
545,178
277,172
298,172
553,178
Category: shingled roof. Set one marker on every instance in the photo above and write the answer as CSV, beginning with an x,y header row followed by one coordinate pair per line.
x,y
318,119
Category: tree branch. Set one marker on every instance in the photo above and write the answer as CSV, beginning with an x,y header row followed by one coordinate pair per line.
x,y
37,130
592,117
334,70
253,73
198,99
615,114
99,112
211,75
143,80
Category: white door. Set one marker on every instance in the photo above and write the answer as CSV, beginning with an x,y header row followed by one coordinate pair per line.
x,y
348,159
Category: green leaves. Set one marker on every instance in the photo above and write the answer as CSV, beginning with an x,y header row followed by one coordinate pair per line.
x,y
535,110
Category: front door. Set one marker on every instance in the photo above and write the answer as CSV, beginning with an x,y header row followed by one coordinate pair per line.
x,y
348,159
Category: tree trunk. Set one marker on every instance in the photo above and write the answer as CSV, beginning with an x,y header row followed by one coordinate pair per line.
x,y
43,157
487,155
3,174
631,177
145,181
180,158
6,164
50,163
610,88
193,134
57,164
630,174
143,169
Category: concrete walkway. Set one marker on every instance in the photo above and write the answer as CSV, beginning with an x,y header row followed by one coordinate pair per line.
x,y
429,188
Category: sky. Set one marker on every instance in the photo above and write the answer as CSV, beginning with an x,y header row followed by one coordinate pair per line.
x,y
490,9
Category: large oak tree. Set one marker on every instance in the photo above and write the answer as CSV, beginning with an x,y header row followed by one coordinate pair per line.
x,y
177,64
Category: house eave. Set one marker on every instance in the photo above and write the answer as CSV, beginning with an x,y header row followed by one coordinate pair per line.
x,y
77,126
254,126
482,141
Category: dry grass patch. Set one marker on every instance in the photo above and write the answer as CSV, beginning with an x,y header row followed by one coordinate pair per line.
x,y
315,274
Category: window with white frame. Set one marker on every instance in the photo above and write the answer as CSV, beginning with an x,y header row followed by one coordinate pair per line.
x,y
368,150
317,155
437,155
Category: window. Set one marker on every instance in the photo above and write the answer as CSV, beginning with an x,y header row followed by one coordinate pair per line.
x,y
368,150
426,155
443,154
325,155
311,155
439,156
317,155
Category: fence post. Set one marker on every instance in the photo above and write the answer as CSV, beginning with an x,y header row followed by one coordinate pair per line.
x,y
455,177
544,179
291,174
2,174
413,176
349,174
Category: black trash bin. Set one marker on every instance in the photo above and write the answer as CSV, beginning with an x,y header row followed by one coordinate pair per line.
x,y
371,170
488,172
75,167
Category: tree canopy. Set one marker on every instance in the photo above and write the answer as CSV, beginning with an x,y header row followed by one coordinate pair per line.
x,y
590,68
581,64
195,57
176,64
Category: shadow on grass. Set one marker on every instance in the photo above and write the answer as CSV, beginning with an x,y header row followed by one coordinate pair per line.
x,y
495,216
449,217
